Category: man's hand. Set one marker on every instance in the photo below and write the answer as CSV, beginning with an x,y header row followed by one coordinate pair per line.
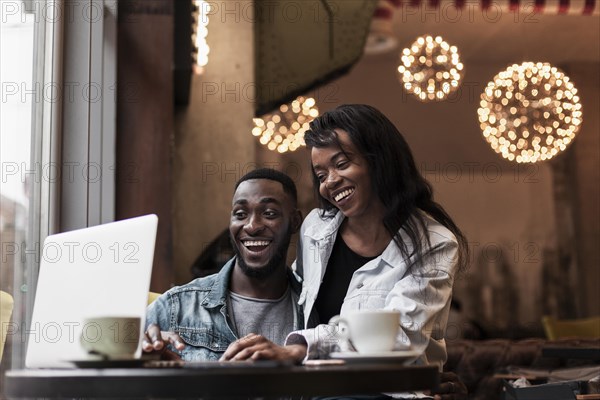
x,y
155,340
257,347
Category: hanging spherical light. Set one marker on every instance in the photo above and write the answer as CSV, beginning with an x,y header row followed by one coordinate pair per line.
x,y
283,130
430,68
530,112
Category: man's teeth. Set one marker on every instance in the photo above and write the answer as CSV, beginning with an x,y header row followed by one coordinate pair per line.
x,y
343,194
251,243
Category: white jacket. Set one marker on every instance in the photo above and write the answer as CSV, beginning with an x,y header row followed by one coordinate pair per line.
x,y
421,294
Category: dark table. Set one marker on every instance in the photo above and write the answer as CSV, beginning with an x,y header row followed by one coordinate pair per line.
x,y
219,382
568,352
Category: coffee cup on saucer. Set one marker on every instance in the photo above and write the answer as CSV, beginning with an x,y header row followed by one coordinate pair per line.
x,y
370,331
111,338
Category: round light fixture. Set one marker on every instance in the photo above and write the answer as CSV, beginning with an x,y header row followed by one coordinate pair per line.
x,y
430,68
530,112
283,130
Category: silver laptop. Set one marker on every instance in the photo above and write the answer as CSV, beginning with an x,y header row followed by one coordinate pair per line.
x,y
104,270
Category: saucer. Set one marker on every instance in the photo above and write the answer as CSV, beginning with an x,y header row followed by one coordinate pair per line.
x,y
376,357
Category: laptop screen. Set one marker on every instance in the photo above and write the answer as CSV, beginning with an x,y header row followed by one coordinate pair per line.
x,y
99,271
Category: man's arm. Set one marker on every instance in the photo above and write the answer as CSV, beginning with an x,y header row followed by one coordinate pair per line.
x,y
257,347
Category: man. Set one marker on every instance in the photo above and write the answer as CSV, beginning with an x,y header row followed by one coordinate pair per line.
x,y
254,294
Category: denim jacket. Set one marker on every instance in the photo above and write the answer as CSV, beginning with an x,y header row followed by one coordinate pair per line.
x,y
197,311
387,282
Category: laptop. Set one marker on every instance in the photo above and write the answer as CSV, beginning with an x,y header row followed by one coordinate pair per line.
x,y
103,270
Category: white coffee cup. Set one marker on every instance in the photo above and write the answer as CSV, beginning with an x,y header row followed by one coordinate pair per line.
x,y
370,331
113,338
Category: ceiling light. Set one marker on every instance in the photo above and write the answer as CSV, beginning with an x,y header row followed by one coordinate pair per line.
x,y
430,68
200,51
530,112
283,130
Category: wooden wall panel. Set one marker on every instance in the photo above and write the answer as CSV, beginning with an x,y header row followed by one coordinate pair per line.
x,y
145,122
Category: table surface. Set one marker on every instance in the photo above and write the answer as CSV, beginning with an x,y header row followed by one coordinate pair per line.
x,y
567,352
263,381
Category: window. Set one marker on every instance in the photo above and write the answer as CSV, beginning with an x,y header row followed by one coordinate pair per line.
x,y
55,130
24,214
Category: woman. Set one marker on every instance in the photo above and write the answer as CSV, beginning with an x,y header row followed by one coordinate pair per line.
x,y
378,240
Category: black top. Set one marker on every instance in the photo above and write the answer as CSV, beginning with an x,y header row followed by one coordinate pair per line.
x,y
340,268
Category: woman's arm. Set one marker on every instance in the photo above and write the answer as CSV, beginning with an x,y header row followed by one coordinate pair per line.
x,y
423,297
422,294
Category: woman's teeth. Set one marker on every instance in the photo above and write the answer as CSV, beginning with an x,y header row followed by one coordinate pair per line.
x,y
343,194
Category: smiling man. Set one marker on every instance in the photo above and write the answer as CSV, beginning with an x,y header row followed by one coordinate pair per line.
x,y
254,294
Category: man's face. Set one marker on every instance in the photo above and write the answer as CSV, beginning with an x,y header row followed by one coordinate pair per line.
x,y
263,218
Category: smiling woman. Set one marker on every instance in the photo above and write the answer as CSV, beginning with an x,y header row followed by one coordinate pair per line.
x,y
344,180
383,243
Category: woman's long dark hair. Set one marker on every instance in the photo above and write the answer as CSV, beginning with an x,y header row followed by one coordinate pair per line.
x,y
394,175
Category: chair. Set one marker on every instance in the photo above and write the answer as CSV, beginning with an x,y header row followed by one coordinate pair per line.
x,y
152,296
588,328
6,307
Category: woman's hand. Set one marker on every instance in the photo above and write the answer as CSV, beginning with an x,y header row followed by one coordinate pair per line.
x,y
257,347
155,341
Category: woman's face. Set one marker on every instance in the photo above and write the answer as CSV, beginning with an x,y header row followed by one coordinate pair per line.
x,y
344,178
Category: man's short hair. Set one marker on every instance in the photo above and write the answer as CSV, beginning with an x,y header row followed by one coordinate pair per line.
x,y
288,184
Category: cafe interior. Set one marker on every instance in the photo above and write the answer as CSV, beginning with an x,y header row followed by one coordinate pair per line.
x,y
113,109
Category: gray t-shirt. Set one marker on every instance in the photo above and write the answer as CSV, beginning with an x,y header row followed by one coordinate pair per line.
x,y
273,319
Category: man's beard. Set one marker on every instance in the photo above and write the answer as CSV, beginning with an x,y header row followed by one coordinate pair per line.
x,y
278,259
